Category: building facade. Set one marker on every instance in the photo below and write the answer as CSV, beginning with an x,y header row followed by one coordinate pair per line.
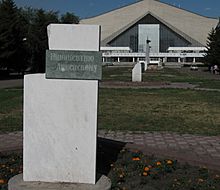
x,y
164,25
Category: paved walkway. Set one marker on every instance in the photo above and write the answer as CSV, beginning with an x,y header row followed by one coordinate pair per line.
x,y
11,83
118,84
197,150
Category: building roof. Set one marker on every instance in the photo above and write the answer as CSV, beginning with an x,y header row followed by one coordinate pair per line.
x,y
187,24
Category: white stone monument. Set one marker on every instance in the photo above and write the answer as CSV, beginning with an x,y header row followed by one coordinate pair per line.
x,y
137,73
60,116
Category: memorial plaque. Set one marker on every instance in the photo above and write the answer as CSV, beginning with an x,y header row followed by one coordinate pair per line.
x,y
66,64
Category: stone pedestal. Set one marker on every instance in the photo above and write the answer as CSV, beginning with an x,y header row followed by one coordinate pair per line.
x,y
60,119
137,73
17,183
60,116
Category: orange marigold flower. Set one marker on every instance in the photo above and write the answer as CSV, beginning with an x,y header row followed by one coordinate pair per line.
x,y
169,161
145,174
2,181
146,169
136,158
158,163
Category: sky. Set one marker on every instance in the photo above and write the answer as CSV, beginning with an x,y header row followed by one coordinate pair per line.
x,y
89,8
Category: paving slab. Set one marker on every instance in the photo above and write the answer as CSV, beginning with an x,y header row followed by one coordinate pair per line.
x,y
194,149
11,83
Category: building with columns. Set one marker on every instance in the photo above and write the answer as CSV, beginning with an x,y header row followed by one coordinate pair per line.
x,y
176,35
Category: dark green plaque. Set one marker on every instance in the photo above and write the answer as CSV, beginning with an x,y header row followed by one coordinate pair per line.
x,y
65,64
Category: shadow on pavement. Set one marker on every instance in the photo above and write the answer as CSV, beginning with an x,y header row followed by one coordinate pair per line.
x,y
107,153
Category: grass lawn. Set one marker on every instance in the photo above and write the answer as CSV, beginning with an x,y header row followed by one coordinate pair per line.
x,y
116,73
175,110
201,78
11,109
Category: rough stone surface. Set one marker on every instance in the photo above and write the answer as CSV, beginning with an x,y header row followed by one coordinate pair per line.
x,y
137,73
17,183
60,129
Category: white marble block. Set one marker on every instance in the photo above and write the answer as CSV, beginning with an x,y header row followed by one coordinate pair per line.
x,y
137,73
74,37
60,116
60,119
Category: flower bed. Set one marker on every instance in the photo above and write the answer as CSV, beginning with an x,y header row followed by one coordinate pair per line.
x,y
10,165
133,170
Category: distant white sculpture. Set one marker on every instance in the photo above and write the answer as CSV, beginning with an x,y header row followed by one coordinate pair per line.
x,y
137,73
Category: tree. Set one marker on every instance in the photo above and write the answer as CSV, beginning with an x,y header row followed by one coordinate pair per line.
x,y
12,49
38,40
213,47
69,18
23,36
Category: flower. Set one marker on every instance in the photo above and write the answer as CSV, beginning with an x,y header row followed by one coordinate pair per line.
x,y
145,174
121,175
217,176
135,158
169,162
146,169
2,181
158,163
200,180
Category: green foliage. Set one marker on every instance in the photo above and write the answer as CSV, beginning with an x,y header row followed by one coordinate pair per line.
x,y
148,172
37,38
10,165
12,49
23,36
69,18
213,46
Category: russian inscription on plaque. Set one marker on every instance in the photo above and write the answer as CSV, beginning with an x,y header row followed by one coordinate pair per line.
x,y
66,64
